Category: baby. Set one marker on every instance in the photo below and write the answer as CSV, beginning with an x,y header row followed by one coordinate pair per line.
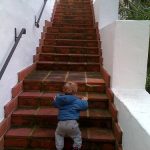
x,y
69,111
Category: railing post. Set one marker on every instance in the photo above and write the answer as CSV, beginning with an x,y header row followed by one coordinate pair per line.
x,y
17,39
38,20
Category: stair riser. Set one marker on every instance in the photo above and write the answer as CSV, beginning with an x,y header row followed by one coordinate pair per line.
x,y
44,57
69,3
59,13
81,3
75,7
22,143
71,36
51,121
48,86
68,67
73,24
71,50
98,105
76,22
77,1
71,43
71,30
59,25
74,10
49,143
75,17
35,102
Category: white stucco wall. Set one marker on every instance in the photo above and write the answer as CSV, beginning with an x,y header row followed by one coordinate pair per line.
x,y
128,52
125,52
19,14
134,118
106,11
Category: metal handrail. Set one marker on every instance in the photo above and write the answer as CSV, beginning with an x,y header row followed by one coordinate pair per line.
x,y
38,20
17,39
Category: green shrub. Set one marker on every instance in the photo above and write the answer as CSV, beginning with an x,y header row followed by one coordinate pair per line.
x,y
134,9
148,81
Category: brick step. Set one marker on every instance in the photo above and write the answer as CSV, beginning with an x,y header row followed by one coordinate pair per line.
x,y
70,42
78,20
68,66
93,139
47,117
74,10
68,57
26,149
72,25
75,36
55,83
70,30
69,49
80,4
75,3
75,6
62,24
74,13
41,99
79,17
73,21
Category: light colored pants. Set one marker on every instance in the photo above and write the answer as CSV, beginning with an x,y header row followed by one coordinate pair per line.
x,y
68,128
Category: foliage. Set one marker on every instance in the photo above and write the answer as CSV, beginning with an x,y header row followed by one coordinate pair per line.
x,y
148,81
135,9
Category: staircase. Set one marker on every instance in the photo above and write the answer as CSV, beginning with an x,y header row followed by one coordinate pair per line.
x,y
69,51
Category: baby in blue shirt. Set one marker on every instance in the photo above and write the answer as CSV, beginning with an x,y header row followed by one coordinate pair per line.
x,y
69,112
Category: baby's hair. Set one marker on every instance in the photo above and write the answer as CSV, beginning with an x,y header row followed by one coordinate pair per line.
x,y
70,88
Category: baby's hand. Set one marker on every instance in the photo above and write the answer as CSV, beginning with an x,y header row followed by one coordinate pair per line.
x,y
84,98
53,98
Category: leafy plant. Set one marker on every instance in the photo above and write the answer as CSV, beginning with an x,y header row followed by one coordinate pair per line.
x,y
148,81
135,9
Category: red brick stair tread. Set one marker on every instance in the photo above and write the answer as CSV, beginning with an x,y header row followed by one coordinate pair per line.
x,y
91,95
89,78
61,62
48,111
69,49
65,29
19,132
78,55
88,133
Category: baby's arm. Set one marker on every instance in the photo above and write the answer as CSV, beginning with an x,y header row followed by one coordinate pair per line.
x,y
55,101
82,104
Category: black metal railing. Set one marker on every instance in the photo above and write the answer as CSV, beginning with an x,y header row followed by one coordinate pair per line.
x,y
38,20
17,39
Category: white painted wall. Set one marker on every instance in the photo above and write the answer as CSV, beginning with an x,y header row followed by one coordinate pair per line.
x,y
125,52
19,14
134,118
106,11
128,52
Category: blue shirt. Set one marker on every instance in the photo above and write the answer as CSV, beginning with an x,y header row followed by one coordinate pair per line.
x,y
69,106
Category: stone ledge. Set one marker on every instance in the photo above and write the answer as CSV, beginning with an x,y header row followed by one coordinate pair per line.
x,y
134,117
